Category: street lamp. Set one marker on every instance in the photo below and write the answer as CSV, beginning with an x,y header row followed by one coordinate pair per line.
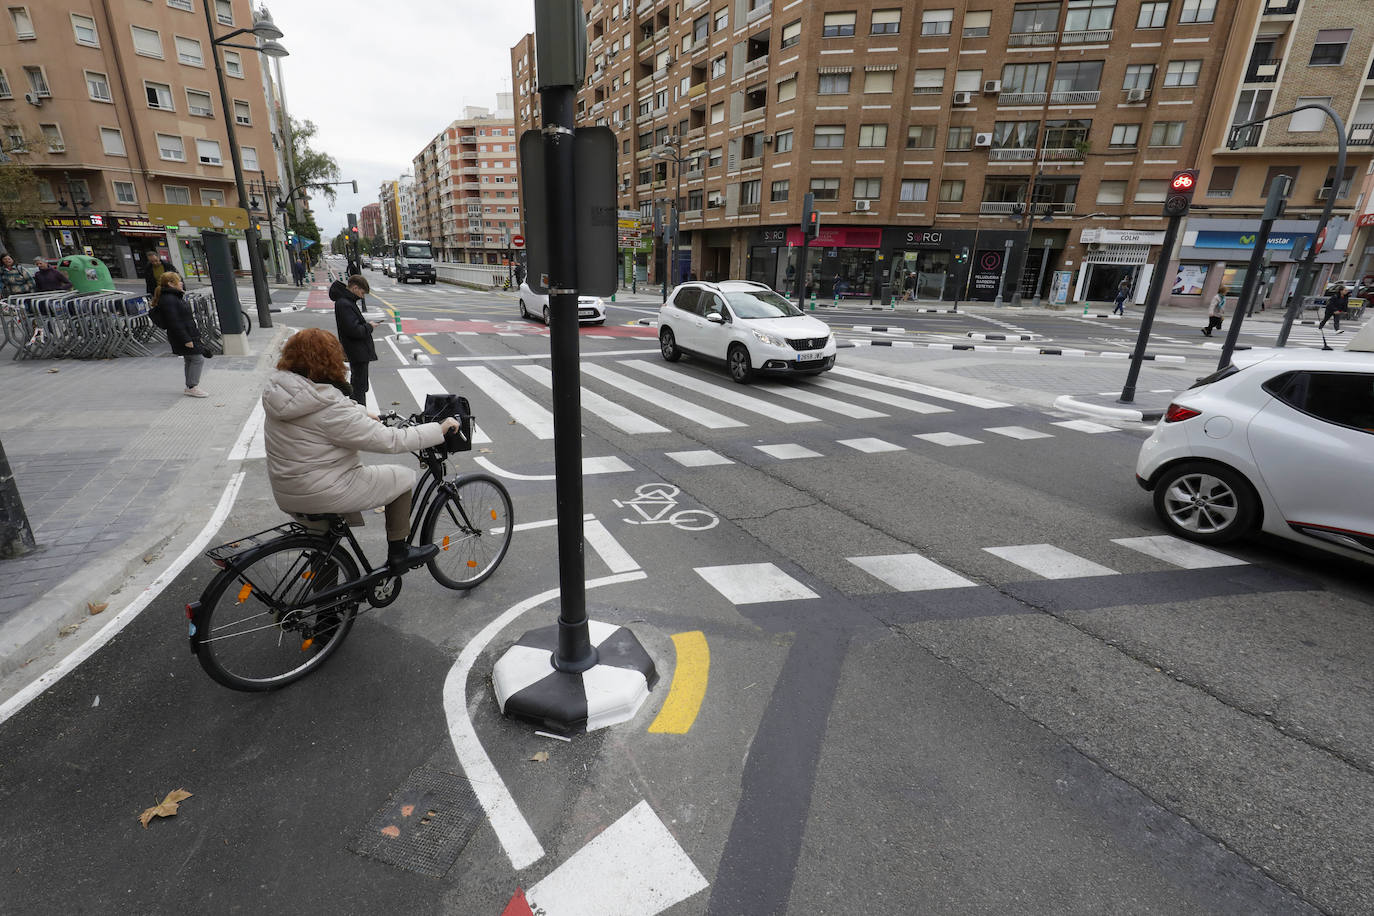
x,y
671,151
78,204
267,32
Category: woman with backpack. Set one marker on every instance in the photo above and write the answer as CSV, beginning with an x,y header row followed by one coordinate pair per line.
x,y
182,332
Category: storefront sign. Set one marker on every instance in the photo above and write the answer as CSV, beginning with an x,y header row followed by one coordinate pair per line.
x,y
66,237
1247,240
1366,219
138,225
1122,237
198,217
839,237
94,221
773,236
987,275
1190,280
925,238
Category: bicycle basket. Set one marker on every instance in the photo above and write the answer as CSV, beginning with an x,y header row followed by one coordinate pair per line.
x,y
441,407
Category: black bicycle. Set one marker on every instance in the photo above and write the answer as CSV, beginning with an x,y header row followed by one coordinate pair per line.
x,y
286,598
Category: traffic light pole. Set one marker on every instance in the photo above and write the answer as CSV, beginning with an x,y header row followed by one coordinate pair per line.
x,y
1147,320
808,217
1273,209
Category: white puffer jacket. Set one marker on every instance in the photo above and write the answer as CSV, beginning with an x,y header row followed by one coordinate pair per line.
x,y
313,434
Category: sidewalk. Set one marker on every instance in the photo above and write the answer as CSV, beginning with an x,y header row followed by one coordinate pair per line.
x,y
113,464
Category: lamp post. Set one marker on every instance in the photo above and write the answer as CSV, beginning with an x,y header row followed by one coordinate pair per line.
x,y
671,151
267,188
77,204
264,29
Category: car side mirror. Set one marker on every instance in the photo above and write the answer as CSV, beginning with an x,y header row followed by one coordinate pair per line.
x,y
715,318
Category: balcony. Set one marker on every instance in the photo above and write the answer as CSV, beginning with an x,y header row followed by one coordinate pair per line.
x,y
1281,7
1075,97
661,34
997,208
467,139
691,214
694,174
1263,71
1031,39
1011,155
753,162
749,209
1021,98
758,12
644,8
698,89
1061,154
1361,135
1086,36
696,133
928,90
757,63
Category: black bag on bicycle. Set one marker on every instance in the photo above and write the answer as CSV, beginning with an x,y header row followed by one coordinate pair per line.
x,y
442,406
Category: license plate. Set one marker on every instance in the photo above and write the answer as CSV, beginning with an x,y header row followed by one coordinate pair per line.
x,y
807,356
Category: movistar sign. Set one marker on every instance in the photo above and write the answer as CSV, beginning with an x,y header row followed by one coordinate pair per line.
x,y
1247,239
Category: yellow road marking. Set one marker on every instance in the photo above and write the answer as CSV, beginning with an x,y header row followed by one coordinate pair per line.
x,y
689,685
424,343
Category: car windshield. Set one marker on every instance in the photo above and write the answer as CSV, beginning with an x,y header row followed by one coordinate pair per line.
x,y
415,250
760,303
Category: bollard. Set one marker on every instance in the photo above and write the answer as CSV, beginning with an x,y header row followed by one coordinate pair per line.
x,y
16,536
396,313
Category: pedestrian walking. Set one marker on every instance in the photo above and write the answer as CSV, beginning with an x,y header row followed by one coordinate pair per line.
x,y
1123,292
182,332
1336,305
298,271
154,269
14,279
352,268
48,279
1215,312
355,331
909,284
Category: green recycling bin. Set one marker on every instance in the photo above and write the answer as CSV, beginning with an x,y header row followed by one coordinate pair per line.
x,y
88,274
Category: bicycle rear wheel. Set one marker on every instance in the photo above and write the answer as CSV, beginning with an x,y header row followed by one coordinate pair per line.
x,y
471,522
258,627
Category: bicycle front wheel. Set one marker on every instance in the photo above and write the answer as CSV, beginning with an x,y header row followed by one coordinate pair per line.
x,y
471,521
259,627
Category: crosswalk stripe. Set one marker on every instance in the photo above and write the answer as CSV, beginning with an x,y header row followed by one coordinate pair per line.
x,y
1181,553
1050,562
872,445
787,451
821,402
421,382
522,408
910,572
948,439
699,458
622,418
1017,432
943,394
732,397
1085,426
882,397
683,408
753,583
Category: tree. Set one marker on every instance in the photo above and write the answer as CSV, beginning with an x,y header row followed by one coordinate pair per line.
x,y
19,203
310,166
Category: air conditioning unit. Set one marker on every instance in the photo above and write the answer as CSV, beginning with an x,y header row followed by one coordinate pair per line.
x,y
1137,95
982,139
35,100
963,98
863,206
992,87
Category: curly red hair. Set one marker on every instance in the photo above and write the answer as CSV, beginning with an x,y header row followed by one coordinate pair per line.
x,y
316,354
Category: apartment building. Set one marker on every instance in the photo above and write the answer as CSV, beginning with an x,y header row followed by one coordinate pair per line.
x,y
370,221
466,193
113,104
388,194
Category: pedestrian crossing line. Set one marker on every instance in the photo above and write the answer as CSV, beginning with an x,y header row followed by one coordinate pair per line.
x,y
1050,562
910,572
1178,552
787,451
943,394
821,402
421,382
604,544
522,408
753,583
731,396
698,458
622,418
1085,426
683,408
948,439
609,464
882,397
871,446
1017,432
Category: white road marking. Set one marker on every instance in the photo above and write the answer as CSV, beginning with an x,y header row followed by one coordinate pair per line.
x,y
371,399
599,539
1085,426
872,445
821,402
589,353
1181,553
1050,562
882,397
608,464
622,418
787,451
948,439
683,408
943,394
250,444
910,572
699,459
731,396
522,408
1017,432
753,583
421,382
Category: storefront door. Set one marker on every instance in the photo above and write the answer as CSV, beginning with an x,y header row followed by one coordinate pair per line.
x,y
930,272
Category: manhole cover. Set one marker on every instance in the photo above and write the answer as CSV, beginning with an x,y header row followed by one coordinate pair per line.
x,y
424,825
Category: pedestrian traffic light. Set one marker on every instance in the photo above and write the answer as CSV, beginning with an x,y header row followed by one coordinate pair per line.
x,y
1180,195
811,220
961,257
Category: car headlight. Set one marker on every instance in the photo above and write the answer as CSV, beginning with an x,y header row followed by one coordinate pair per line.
x,y
770,339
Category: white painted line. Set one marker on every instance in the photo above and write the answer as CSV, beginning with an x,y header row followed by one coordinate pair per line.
x,y
371,399
872,445
635,867
482,359
391,342
1050,562
753,583
622,418
1181,553
661,399
943,394
731,396
249,444
788,451
699,459
487,465
135,607
422,382
616,557
948,439
521,846
1017,432
1085,426
522,408
609,464
910,572
821,402
882,397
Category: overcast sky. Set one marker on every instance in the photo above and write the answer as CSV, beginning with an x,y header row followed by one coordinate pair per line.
x,y
380,79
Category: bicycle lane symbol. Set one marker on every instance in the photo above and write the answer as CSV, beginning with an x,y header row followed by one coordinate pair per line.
x,y
653,503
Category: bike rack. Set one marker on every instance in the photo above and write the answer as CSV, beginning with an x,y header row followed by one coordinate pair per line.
x,y
100,325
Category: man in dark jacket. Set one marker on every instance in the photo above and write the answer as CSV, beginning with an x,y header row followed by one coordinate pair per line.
x,y
48,279
153,270
1336,305
355,331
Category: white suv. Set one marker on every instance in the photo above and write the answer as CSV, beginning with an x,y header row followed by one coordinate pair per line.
x,y
745,325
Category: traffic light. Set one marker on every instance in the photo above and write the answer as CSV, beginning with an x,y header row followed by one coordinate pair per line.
x,y
1180,195
961,257
811,220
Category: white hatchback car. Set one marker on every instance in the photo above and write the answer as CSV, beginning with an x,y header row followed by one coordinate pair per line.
x,y
590,309
745,325
1282,442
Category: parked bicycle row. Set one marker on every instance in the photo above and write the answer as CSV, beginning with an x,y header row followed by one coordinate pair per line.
x,y
101,325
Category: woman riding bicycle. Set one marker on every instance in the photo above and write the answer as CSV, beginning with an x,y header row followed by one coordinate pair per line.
x,y
314,432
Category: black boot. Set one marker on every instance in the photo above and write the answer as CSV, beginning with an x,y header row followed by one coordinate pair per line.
x,y
400,555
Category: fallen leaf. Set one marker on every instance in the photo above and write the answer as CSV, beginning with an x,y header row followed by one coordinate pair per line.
x,y
540,757
96,608
151,557
68,630
167,808
50,371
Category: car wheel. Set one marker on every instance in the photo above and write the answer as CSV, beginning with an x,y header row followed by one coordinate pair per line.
x,y
667,345
546,316
1205,502
741,370
524,312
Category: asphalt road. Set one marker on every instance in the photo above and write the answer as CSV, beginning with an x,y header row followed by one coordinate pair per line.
x,y
947,668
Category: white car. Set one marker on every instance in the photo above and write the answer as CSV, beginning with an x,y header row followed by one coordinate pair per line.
x,y
590,309
388,266
745,325
1283,443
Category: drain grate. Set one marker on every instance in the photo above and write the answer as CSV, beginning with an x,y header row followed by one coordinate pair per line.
x,y
424,825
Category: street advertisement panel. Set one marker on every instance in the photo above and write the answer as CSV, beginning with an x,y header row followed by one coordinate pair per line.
x,y
1059,288
1190,280
987,275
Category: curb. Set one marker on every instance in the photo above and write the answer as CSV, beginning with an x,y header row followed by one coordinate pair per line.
x,y
1141,414
974,335
1023,351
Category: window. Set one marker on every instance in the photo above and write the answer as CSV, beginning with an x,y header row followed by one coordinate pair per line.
x,y
749,191
98,86
833,84
936,22
159,96
829,137
782,143
176,194
1025,77
14,139
1139,76
717,67
920,136
52,135
207,151
1166,133
23,25
929,82
960,138
791,34
713,158
1182,73
1153,15
171,149
198,103
781,189
872,136
701,31
1275,171
914,190
886,22
180,4
249,156
211,197
977,23
1077,76
722,18
147,42
1342,398
224,12
868,188
1015,134
1329,50
1111,192
825,188
45,193
1310,121
112,139
1151,191
1035,17
1223,181
233,64
838,25
5,91
787,89
968,80
1344,190
1066,134
1125,135
38,82
1198,11
952,190
876,81
188,51
84,27
718,113
242,114
1089,15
